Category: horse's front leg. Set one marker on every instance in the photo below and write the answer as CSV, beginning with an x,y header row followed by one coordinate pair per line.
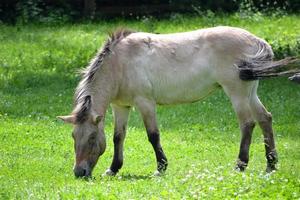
x,y
120,119
147,110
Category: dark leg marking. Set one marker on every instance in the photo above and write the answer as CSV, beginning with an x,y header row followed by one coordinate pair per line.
x,y
120,119
161,159
117,159
271,154
272,160
243,157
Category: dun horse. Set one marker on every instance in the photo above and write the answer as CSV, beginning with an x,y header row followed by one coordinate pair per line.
x,y
144,70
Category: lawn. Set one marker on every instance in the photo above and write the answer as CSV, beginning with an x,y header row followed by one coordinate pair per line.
x,y
38,74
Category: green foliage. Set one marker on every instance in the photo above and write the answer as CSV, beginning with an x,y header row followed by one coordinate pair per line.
x,y
61,11
38,11
38,66
29,10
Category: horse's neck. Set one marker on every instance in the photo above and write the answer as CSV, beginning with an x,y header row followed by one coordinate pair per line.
x,y
100,97
99,104
102,88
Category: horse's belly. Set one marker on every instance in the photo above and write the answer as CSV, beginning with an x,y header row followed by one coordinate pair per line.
x,y
183,89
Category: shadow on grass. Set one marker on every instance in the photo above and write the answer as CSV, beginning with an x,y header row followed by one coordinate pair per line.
x,y
133,177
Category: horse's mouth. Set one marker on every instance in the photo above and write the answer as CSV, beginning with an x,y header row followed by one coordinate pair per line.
x,y
80,172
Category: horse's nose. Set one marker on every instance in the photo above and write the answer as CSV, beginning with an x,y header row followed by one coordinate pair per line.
x,y
81,172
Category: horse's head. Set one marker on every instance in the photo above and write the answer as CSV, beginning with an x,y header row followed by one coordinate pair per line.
x,y
89,142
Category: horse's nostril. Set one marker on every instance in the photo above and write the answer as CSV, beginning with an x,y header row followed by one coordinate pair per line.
x,y
79,172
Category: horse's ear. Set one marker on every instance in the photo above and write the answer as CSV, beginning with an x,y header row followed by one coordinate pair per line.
x,y
68,119
97,119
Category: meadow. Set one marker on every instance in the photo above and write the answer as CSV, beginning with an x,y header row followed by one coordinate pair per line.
x,y
38,75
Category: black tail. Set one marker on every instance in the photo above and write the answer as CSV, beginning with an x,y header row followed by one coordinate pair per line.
x,y
285,67
295,78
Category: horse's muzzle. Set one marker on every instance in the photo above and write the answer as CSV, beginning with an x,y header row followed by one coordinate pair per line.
x,y
82,171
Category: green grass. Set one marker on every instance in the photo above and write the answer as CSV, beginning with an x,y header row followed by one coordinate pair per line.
x,y
38,67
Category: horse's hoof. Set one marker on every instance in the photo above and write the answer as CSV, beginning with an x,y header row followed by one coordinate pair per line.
x,y
240,165
158,173
272,160
239,168
108,172
271,168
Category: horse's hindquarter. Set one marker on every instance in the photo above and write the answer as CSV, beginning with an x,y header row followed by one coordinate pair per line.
x,y
171,69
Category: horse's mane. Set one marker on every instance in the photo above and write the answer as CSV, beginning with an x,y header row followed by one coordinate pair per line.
x,y
82,99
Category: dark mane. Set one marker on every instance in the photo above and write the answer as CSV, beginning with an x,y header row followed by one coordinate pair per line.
x,y
114,38
82,94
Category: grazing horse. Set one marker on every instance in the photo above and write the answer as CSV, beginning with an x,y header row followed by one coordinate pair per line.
x,y
143,69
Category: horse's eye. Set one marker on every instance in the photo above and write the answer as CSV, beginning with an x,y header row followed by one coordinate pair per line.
x,y
92,138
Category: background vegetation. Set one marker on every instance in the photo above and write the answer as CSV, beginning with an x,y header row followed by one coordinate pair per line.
x,y
38,65
58,11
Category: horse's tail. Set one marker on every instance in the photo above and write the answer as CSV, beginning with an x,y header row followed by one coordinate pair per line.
x,y
261,65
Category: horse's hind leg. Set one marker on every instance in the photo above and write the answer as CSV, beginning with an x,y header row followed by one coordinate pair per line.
x,y
147,110
120,119
264,119
239,96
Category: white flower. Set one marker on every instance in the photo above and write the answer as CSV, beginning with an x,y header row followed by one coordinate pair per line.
x,y
211,188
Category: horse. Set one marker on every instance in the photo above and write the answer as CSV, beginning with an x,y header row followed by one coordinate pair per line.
x,y
143,70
